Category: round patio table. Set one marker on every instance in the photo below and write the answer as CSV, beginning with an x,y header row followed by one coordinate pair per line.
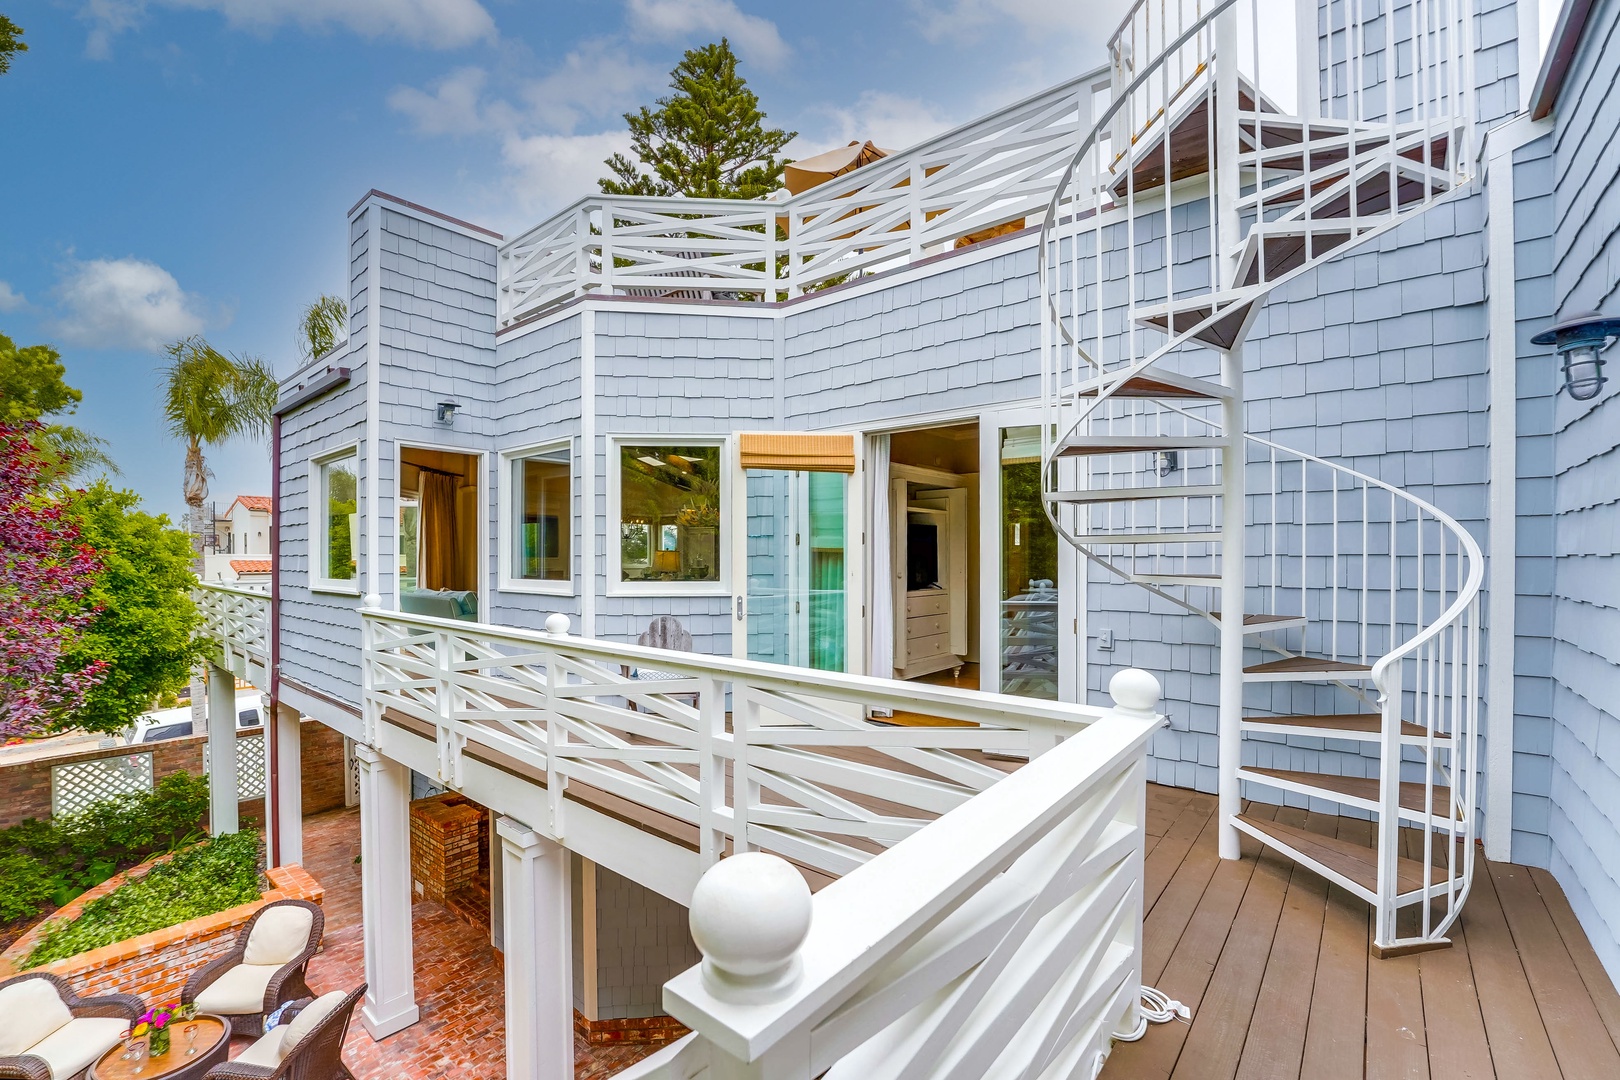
x,y
213,1048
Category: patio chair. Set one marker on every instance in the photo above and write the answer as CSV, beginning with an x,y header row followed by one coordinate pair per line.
x,y
665,632
264,970
47,1032
308,1046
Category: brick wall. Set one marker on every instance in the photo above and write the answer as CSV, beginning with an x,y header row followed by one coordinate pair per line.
x,y
321,757
27,784
155,966
446,838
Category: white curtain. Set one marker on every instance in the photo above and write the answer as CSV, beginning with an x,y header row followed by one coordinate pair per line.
x,y
880,662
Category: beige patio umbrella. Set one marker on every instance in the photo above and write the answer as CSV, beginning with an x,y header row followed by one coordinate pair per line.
x,y
806,173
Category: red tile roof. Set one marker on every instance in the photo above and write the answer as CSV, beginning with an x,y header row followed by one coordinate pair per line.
x,y
251,566
252,502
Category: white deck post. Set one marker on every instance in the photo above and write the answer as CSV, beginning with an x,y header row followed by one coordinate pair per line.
x,y
222,793
286,811
538,955
385,884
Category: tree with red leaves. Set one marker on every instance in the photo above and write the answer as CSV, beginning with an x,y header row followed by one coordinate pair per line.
x,y
46,578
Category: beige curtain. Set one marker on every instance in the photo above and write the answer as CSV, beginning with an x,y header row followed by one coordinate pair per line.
x,y
440,543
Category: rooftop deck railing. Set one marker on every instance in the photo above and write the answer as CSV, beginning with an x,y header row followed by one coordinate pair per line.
x,y
238,620
993,174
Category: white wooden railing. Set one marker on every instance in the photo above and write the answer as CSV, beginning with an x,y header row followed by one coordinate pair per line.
x,y
812,779
1002,940
995,173
238,620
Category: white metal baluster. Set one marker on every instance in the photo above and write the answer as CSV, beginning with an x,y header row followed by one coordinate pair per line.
x,y
1333,566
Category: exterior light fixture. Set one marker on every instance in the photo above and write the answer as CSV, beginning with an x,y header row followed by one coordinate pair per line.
x,y
1581,340
445,413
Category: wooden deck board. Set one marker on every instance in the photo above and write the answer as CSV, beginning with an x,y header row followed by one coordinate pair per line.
x,y
1276,966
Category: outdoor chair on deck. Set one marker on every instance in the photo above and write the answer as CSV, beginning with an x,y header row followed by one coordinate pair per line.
x,y
264,970
47,1032
665,632
308,1045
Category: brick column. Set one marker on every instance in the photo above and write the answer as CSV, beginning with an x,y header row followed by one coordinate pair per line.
x,y
222,802
539,954
385,892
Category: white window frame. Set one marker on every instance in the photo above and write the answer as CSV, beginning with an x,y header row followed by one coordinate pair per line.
x,y
505,560
318,581
616,585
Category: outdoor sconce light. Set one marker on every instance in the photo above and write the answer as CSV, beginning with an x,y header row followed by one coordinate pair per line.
x,y
445,414
1580,340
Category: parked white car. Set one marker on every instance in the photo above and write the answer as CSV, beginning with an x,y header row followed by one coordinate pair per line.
x,y
175,723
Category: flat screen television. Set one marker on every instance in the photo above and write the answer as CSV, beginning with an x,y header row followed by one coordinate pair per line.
x,y
922,555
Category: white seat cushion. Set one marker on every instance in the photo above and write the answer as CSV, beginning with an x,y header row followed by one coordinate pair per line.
x,y
32,1010
280,935
71,1048
265,1051
308,1017
238,992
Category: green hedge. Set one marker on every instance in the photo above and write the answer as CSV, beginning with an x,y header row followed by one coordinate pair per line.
x,y
202,880
51,862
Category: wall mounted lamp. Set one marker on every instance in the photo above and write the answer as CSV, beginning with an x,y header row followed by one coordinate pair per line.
x,y
1581,340
445,413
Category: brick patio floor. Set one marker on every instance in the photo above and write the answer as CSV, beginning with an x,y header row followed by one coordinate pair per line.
x,y
459,984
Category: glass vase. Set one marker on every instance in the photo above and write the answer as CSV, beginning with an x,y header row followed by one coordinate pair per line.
x,y
159,1042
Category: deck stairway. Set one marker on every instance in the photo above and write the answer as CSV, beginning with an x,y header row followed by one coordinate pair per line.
x,y
1344,607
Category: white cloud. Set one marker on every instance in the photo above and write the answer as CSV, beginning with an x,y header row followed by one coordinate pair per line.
x,y
966,20
437,24
452,108
10,299
125,303
597,80
678,21
547,172
892,121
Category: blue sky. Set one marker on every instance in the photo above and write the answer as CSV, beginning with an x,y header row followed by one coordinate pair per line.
x,y
184,166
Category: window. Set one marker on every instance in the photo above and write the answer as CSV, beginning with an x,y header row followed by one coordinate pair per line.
x,y
669,513
337,548
540,519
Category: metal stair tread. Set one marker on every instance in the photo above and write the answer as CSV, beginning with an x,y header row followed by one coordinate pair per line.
x,y
1364,788
1350,860
1262,623
1343,723
1081,445
1305,668
1164,385
1124,494
1201,580
1123,537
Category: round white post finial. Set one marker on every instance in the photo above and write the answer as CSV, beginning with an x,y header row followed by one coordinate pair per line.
x,y
750,915
557,623
1135,691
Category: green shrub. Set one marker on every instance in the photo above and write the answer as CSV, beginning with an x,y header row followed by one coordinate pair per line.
x,y
202,880
53,861
25,886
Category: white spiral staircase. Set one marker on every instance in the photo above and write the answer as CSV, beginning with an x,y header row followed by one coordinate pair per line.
x,y
1346,607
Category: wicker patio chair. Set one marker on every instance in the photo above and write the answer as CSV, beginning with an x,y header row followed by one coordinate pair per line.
x,y
49,1031
307,1046
265,968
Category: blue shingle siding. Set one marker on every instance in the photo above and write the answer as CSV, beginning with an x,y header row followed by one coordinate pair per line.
x,y
1583,797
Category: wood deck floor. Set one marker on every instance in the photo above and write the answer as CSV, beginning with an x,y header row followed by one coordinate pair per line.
x,y
1276,966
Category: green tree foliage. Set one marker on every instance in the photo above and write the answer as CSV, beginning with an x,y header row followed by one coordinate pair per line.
x,y
707,139
209,399
145,622
321,326
33,386
10,42
343,491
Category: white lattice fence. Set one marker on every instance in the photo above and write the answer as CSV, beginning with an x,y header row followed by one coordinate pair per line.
x,y
250,771
77,784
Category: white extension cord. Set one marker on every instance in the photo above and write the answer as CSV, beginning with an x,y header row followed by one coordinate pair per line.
x,y
1157,1008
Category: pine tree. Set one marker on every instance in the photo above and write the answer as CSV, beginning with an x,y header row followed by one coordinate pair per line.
x,y
707,139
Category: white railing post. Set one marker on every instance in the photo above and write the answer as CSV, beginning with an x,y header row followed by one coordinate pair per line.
x,y
1229,720
555,736
1389,807
711,737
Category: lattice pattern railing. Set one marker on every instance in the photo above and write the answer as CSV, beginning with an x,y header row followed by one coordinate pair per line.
x,y
75,785
250,767
812,779
239,620
993,174
1003,939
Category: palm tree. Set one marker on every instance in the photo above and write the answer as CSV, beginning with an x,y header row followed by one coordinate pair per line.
x,y
209,399
320,328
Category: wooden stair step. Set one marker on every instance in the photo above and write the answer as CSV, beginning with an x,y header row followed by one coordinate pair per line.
x,y
1123,537
1207,581
1084,445
1257,623
1178,387
1306,668
1330,725
1127,494
1364,788
1352,861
